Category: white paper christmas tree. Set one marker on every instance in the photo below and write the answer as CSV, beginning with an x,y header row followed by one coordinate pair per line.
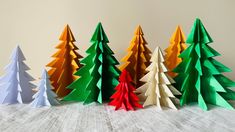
x,y
158,89
15,85
45,96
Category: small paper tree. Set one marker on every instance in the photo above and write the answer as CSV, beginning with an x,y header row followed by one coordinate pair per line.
x,y
158,89
16,86
99,75
137,58
45,96
125,97
177,46
199,75
65,64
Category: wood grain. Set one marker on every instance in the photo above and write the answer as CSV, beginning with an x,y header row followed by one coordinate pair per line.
x,y
76,117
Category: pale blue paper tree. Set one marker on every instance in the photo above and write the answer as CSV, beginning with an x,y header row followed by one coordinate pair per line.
x,y
45,96
15,85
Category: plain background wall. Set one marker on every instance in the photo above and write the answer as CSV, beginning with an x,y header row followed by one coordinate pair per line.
x,y
37,25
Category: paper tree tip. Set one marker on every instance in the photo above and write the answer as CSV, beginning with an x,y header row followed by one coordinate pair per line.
x,y
67,34
157,50
125,76
139,30
199,33
44,74
17,54
198,19
18,49
178,35
157,55
18,46
99,34
178,28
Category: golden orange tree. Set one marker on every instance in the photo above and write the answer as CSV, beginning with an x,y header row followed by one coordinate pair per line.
x,y
176,47
138,57
65,64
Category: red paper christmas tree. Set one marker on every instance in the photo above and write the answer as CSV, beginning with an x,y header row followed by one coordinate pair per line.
x,y
125,97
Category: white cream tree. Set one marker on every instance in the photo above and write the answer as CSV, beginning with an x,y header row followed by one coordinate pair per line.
x,y
158,89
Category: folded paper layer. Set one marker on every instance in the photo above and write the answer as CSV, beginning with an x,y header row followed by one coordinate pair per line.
x,y
124,97
99,75
44,96
15,85
158,89
65,64
199,75
177,46
137,59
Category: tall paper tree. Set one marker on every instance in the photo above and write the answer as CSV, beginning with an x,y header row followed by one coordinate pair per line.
x,y
15,85
176,47
99,75
45,96
125,97
65,64
137,58
158,89
199,75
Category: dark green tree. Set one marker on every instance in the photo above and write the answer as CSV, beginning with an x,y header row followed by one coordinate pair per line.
x,y
99,75
199,75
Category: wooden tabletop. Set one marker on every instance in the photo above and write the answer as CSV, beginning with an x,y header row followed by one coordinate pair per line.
x,y
76,117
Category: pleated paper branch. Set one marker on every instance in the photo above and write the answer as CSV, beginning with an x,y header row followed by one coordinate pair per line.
x,y
158,89
137,58
199,75
15,85
65,64
45,96
177,46
125,97
99,75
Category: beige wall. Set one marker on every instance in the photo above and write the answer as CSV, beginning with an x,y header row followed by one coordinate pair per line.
x,y
36,25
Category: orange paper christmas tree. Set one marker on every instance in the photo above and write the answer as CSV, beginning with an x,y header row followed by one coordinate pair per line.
x,y
64,65
137,59
177,45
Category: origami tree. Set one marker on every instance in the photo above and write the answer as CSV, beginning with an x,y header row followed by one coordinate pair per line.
x,y
177,46
125,97
137,58
199,75
98,76
158,89
65,64
16,86
45,96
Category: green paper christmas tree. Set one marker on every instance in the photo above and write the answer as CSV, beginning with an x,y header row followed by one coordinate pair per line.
x,y
199,75
99,75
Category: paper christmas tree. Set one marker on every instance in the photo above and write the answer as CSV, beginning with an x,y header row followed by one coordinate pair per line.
x,y
137,58
65,64
199,75
125,97
15,85
177,46
45,96
158,89
98,76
